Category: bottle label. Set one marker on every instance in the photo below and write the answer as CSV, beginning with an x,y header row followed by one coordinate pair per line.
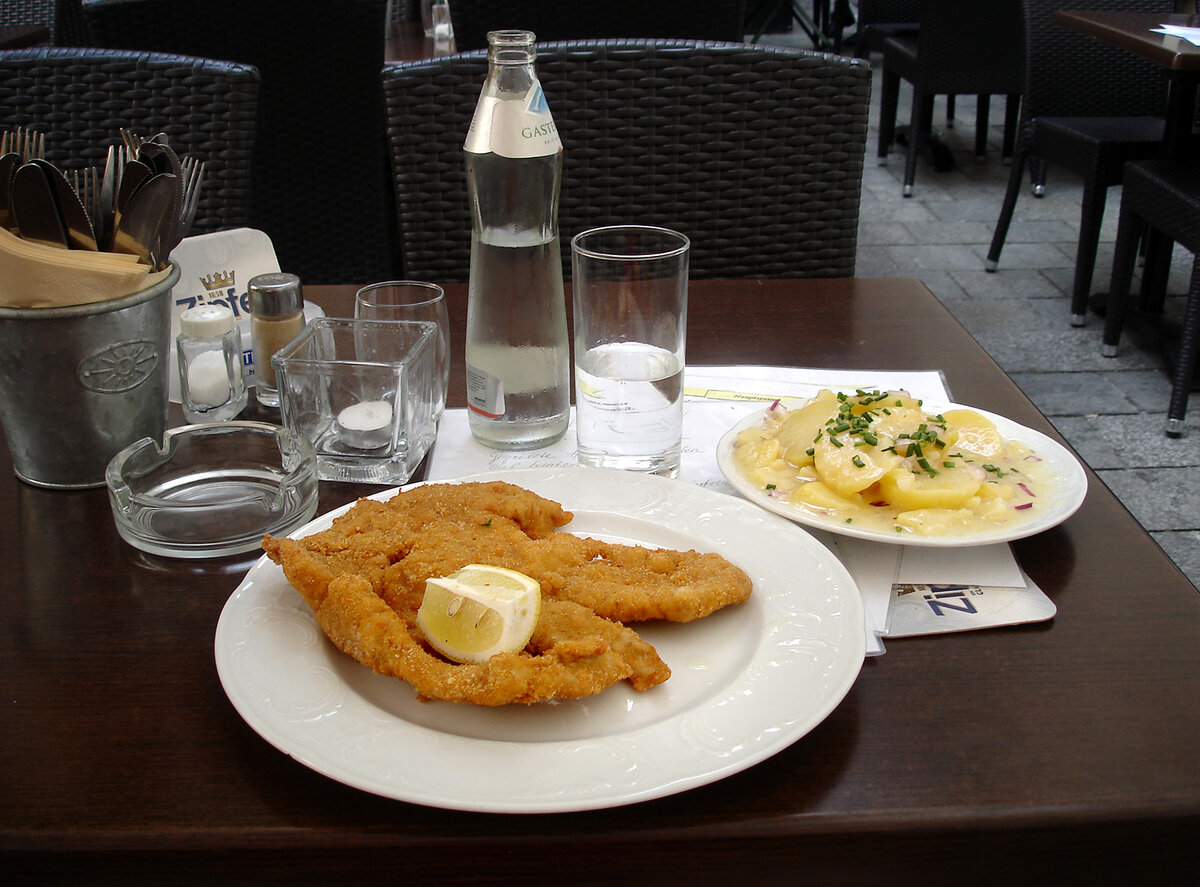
x,y
485,393
514,128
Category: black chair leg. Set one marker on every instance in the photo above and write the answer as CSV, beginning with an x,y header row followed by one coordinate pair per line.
x,y
1091,215
919,131
1012,115
982,105
1185,367
1037,176
950,111
1006,211
889,97
1129,237
1155,272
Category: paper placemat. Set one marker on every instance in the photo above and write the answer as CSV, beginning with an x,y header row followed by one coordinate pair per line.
x,y
906,591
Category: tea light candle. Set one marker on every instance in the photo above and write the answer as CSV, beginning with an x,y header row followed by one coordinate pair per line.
x,y
366,425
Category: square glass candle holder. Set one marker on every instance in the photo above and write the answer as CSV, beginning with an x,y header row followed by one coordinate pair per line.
x,y
363,392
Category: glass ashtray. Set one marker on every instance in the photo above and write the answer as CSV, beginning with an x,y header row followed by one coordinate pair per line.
x,y
212,489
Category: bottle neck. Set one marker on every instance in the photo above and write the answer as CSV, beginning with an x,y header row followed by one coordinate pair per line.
x,y
511,57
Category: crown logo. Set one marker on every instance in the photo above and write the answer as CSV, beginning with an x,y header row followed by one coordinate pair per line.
x,y
217,281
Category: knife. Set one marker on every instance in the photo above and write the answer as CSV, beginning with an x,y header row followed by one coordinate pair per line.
x,y
138,231
70,210
35,209
8,166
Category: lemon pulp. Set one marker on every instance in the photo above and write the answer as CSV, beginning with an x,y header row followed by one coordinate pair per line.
x,y
479,611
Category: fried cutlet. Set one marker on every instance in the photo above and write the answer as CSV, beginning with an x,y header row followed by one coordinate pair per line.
x,y
365,577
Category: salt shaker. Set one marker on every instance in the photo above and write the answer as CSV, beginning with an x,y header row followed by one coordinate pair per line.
x,y
210,364
277,316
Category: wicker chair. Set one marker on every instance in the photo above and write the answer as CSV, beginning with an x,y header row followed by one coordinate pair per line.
x,y
321,187
80,98
555,20
965,47
879,20
1165,195
754,152
1089,108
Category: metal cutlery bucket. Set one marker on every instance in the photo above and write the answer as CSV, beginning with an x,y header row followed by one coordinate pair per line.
x,y
80,383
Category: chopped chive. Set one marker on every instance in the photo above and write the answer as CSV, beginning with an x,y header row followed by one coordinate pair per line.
x,y
858,462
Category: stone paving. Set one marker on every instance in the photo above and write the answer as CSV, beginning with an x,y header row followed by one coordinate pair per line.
x,y
1111,410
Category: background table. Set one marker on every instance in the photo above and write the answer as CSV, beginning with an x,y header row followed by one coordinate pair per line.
x,y
1063,752
1132,31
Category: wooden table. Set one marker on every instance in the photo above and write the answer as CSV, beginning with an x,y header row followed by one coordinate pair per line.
x,y
21,36
406,42
1063,752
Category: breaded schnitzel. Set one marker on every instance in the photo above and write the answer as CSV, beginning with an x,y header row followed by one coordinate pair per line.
x,y
365,577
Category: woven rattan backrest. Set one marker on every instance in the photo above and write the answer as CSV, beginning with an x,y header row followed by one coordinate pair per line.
x,y
80,98
1072,75
754,152
583,19
875,12
27,12
972,46
320,189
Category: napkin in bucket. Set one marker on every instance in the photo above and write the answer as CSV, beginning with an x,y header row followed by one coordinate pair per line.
x,y
33,275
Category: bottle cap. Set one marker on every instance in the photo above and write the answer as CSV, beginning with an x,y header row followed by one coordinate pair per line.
x,y
206,321
275,294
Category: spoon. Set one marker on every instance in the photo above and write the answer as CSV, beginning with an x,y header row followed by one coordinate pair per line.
x,y
35,209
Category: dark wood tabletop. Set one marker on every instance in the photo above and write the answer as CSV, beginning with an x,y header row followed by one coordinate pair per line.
x,y
406,42
1064,752
21,36
1134,31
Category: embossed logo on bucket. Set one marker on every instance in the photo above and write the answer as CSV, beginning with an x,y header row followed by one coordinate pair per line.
x,y
118,367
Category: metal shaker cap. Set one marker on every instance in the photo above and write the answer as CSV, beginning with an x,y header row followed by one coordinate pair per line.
x,y
276,293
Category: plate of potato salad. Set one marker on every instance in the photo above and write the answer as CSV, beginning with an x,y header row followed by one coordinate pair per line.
x,y
883,466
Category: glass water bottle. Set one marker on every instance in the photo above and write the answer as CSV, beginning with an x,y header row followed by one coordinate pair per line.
x,y
518,364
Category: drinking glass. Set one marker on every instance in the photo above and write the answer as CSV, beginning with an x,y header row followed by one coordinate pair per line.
x,y
630,297
412,300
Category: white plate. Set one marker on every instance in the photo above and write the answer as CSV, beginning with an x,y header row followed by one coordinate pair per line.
x,y
746,682
1070,486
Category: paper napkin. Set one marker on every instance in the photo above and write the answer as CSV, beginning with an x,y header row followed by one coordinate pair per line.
x,y
33,275
1191,35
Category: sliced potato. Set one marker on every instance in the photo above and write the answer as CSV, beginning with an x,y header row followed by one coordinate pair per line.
x,y
847,469
817,495
976,434
908,490
799,429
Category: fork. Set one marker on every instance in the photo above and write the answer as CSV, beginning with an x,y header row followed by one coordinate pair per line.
x,y
24,141
86,183
131,141
193,178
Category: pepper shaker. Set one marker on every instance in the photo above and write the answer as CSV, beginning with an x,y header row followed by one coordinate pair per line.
x,y
277,316
210,364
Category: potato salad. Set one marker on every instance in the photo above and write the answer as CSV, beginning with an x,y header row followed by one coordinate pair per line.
x,y
877,460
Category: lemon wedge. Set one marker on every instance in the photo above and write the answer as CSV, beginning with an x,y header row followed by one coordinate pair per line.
x,y
479,611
